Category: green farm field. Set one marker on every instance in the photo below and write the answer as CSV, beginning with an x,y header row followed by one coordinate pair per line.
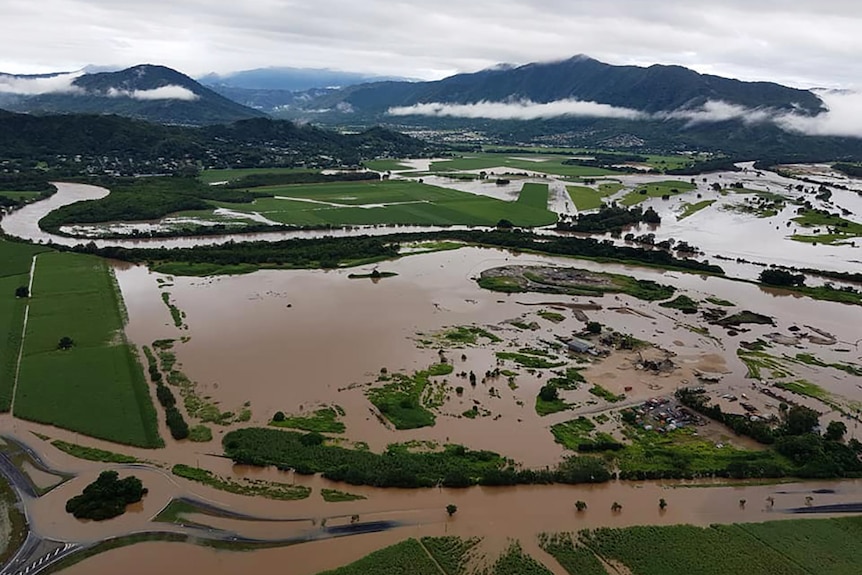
x,y
212,176
393,202
15,261
97,387
552,165
787,547
656,190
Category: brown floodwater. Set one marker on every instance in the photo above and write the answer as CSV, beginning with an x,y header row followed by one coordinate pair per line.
x,y
295,340
498,514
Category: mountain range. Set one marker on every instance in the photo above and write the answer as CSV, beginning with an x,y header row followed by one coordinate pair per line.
x,y
575,102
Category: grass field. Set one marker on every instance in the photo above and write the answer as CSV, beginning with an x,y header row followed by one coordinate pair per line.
x,y
552,165
386,165
391,202
586,198
211,176
691,209
534,196
97,387
19,195
405,558
656,190
15,260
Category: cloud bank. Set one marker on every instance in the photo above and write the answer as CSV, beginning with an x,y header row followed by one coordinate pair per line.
x,y
843,116
521,110
35,86
169,92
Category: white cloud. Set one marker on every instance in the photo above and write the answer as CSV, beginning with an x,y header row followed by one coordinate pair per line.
x,y
718,111
521,110
843,115
170,92
842,118
59,84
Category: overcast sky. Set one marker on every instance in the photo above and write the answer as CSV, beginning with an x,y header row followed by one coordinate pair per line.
x,y
799,43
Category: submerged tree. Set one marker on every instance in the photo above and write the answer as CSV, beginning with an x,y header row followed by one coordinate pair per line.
x,y
451,509
580,505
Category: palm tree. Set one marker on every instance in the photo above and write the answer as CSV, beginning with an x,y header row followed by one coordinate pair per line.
x,y
616,507
580,505
662,503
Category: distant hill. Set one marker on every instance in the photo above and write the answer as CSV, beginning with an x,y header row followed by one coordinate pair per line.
x,y
146,92
276,90
290,79
79,143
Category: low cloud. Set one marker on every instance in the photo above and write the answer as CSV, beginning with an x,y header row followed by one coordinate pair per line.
x,y
718,111
35,86
521,110
842,118
169,92
843,115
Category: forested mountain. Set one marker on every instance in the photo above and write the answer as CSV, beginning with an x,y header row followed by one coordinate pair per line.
x,y
147,92
653,89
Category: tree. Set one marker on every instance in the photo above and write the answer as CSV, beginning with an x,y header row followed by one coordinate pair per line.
x,y
451,509
580,505
650,216
65,343
616,507
594,327
781,278
742,503
800,420
505,224
279,416
549,392
662,504
835,431
22,291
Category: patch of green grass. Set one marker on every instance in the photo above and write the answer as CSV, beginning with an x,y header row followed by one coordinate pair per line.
x,y
603,393
756,360
323,420
586,198
720,302
745,317
405,558
336,496
683,303
176,314
386,165
250,487
544,407
656,190
401,399
534,195
810,359
389,202
93,453
571,434
469,335
691,209
551,316
803,387
529,361
200,434
76,296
